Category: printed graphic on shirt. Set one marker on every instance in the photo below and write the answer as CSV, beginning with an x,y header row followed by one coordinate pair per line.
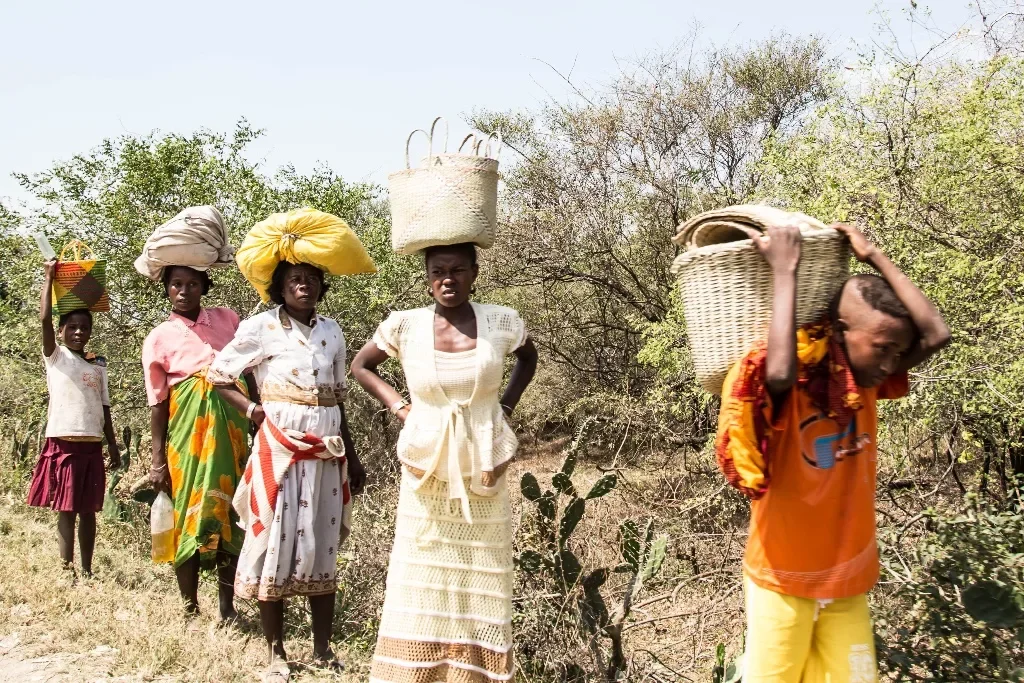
x,y
823,443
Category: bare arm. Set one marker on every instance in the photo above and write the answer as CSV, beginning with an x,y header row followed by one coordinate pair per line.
x,y
934,333
781,249
108,431
364,370
234,397
253,388
356,472
46,309
522,374
159,476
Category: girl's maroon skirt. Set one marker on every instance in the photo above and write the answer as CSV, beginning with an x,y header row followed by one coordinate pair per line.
x,y
69,477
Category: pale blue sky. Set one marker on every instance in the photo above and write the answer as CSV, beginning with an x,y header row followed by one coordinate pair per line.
x,y
342,82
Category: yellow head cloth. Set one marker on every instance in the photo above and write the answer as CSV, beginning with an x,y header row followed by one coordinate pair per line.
x,y
300,236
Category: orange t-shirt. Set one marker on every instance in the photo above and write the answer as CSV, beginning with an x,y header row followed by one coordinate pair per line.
x,y
812,534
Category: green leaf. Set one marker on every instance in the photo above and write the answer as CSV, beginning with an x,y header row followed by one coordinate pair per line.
x,y
530,561
595,579
563,484
629,544
546,506
571,516
568,568
734,672
569,464
655,557
529,486
992,603
603,486
594,610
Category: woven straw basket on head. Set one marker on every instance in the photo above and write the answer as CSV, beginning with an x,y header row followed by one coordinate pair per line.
x,y
450,198
726,284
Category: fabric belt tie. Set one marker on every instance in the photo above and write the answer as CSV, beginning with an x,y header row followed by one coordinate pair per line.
x,y
458,433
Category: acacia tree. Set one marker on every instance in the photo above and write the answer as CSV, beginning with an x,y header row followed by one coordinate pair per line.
x,y
114,195
600,184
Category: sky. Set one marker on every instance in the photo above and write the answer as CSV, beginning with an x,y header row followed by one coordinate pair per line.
x,y
343,83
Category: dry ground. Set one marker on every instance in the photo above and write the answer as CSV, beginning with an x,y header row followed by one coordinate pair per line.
x,y
127,624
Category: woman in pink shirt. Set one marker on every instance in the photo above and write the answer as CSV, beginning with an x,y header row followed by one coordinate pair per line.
x,y
199,441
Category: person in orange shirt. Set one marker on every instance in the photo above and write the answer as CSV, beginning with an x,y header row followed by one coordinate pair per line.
x,y
797,433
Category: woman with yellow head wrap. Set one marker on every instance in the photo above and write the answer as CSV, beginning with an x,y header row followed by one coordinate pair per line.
x,y
294,498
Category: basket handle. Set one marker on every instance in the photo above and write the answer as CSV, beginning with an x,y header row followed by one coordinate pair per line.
x,y
496,135
430,140
78,246
482,146
408,141
472,146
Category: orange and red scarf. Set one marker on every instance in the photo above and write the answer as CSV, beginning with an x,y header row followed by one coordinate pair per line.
x,y
742,445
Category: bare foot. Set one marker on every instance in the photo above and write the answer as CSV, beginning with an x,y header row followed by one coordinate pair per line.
x,y
328,661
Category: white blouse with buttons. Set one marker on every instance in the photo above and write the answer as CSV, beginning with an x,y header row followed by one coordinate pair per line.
x,y
285,361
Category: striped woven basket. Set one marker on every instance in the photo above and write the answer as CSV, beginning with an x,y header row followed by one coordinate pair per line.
x,y
449,199
726,285
81,282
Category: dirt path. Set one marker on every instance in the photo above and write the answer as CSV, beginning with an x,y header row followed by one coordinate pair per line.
x,y
17,663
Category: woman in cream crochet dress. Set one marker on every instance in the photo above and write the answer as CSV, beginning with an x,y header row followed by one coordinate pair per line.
x,y
448,605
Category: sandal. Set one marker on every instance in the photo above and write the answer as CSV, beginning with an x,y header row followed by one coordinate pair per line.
x,y
277,672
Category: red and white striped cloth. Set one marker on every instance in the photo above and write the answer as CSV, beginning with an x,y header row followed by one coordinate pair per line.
x,y
275,451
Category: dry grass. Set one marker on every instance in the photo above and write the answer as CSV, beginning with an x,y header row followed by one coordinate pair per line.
x,y
127,623
128,617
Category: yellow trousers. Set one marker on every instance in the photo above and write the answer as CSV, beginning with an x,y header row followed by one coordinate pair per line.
x,y
801,640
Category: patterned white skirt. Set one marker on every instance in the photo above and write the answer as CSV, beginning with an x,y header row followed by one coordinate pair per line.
x,y
448,605
302,556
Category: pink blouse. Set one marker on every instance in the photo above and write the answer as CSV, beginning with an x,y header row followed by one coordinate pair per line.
x,y
178,348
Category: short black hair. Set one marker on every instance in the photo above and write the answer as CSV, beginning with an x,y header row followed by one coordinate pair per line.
x,y
203,275
64,317
466,248
276,289
877,293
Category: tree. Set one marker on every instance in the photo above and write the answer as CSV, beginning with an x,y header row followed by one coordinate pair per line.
x,y
602,182
113,196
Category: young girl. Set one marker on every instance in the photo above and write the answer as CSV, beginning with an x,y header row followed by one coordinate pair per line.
x,y
69,476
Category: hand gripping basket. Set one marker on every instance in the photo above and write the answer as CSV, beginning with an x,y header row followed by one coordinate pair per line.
x,y
450,199
726,285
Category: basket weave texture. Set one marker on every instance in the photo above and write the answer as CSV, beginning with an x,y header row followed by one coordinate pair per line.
x,y
726,285
448,199
81,282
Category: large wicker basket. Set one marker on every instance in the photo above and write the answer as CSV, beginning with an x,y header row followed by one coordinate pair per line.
x,y
726,285
449,199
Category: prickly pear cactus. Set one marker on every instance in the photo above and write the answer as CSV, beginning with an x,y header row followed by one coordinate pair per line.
x,y
113,509
642,554
558,522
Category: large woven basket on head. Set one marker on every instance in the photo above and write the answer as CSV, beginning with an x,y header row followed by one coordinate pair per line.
x,y
449,199
726,284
